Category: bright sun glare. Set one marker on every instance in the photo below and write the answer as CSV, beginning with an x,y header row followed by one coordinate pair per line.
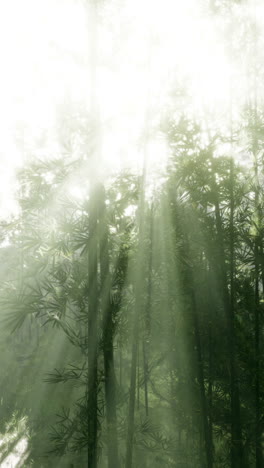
x,y
145,46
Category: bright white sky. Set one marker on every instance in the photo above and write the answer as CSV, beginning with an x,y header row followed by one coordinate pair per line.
x,y
144,47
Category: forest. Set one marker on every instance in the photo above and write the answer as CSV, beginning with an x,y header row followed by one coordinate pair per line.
x,y
132,234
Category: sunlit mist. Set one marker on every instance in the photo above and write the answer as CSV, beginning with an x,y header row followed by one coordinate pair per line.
x,y
131,234
144,50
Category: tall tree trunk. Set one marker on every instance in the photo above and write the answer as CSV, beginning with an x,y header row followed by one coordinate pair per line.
x,y
255,149
139,280
93,255
132,390
92,332
200,375
138,380
135,333
145,365
210,387
258,448
237,460
188,284
108,336
236,431
146,338
210,352
261,253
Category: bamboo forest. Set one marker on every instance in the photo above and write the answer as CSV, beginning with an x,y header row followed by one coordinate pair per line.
x,y
132,234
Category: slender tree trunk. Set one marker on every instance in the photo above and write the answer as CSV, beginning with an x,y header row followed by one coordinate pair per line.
x,y
135,333
257,248
140,278
236,431
190,281
138,381
210,352
258,448
210,388
92,333
200,374
120,367
146,338
108,336
237,460
261,253
145,364
93,257
132,390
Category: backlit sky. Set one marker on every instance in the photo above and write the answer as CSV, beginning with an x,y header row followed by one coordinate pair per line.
x,y
145,50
